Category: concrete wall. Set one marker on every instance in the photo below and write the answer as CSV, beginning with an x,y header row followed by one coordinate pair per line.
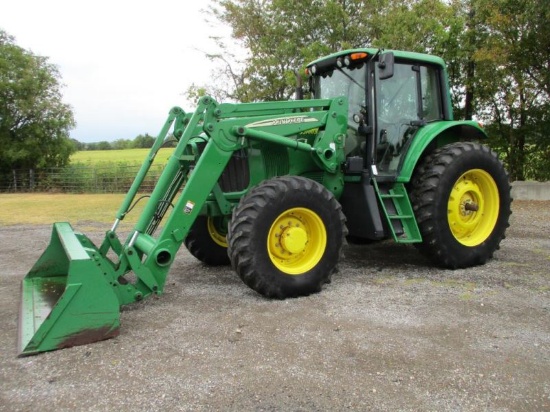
x,y
531,190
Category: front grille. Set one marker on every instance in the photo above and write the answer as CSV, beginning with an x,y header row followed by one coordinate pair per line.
x,y
276,161
236,176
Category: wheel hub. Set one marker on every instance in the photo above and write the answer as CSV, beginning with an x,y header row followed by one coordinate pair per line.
x,y
473,207
294,239
289,237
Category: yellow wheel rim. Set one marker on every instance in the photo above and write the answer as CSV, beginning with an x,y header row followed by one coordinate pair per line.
x,y
297,240
216,233
473,207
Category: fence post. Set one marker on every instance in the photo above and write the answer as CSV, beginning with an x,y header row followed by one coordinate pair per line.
x,y
31,180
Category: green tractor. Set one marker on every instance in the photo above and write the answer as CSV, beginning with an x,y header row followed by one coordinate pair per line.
x,y
276,188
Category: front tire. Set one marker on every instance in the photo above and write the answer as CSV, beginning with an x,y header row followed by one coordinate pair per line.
x,y
286,236
461,198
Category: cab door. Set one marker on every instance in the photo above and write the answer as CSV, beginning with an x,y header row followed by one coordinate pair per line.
x,y
406,101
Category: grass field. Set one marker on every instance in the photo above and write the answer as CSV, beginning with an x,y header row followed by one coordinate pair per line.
x,y
44,208
128,156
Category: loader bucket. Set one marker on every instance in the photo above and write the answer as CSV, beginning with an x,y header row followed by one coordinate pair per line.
x,y
65,299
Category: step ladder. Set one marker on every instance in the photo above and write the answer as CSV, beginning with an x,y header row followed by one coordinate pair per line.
x,y
403,212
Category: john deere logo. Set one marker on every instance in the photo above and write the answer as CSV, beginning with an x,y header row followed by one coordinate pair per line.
x,y
283,121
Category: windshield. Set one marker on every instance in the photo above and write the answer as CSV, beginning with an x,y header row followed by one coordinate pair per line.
x,y
343,82
348,82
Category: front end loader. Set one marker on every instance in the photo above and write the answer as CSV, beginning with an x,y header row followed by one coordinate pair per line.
x,y
275,189
72,295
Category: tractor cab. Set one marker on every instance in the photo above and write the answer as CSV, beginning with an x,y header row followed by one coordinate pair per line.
x,y
391,96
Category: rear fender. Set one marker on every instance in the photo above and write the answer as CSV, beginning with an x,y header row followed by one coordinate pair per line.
x,y
435,135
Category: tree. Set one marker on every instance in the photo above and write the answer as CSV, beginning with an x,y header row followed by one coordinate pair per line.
x,y
497,54
34,122
121,144
103,145
513,82
283,35
78,145
143,141
424,26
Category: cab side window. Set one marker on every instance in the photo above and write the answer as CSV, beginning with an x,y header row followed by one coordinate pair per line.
x,y
431,100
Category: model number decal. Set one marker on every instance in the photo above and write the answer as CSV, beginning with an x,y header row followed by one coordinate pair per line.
x,y
283,121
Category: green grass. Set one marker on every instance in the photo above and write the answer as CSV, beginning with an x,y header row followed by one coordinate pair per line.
x,y
45,208
128,156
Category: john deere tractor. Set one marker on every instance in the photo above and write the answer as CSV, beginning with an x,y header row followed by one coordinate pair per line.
x,y
274,189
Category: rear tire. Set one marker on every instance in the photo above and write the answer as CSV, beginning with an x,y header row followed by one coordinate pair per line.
x,y
461,199
207,241
286,236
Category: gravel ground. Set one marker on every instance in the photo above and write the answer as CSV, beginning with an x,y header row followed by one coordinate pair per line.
x,y
389,333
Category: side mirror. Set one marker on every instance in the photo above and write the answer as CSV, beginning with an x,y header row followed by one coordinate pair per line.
x,y
385,66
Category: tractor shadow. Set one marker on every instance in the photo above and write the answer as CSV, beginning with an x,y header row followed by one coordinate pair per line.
x,y
383,255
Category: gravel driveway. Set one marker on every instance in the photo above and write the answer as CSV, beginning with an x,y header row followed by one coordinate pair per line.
x,y
389,333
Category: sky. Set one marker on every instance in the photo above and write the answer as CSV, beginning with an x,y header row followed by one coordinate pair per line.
x,y
124,64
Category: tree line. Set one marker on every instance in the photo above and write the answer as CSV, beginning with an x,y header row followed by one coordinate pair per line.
x,y
141,141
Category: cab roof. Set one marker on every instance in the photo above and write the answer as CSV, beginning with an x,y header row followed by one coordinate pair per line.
x,y
399,54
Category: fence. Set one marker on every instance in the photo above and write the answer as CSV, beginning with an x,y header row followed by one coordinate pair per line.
x,y
79,178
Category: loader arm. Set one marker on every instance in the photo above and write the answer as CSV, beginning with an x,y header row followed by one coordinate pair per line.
x,y
87,282
229,128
